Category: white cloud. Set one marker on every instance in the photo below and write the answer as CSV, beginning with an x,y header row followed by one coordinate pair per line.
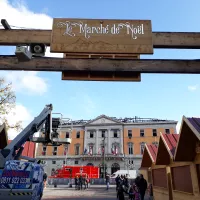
x,y
17,14
26,82
19,113
193,87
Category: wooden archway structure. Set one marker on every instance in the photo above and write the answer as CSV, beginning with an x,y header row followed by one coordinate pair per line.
x,y
79,68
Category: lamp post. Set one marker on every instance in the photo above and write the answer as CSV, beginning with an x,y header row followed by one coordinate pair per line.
x,y
104,157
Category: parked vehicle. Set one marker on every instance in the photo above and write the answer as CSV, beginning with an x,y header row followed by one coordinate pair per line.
x,y
71,171
132,174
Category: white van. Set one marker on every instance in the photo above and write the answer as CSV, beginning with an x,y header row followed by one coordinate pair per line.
x,y
132,174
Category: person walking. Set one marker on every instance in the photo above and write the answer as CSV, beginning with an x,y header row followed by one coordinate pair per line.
x,y
107,181
117,181
81,182
142,185
45,179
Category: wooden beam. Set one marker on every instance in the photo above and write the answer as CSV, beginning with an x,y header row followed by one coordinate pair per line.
x,y
173,40
113,56
101,76
63,64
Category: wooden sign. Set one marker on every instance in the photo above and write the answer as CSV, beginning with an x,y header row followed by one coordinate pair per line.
x,y
101,36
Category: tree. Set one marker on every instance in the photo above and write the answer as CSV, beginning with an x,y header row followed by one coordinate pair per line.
x,y
7,104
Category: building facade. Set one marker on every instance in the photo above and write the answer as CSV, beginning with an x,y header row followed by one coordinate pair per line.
x,y
109,143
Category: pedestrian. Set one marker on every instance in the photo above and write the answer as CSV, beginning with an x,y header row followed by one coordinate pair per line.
x,y
81,182
84,182
76,183
87,181
150,189
45,179
121,189
107,181
142,186
117,181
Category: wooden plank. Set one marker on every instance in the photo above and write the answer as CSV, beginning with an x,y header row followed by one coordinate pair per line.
x,y
101,36
113,56
101,76
172,40
62,64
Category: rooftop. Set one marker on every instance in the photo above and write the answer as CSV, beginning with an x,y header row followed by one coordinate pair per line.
x,y
171,141
126,120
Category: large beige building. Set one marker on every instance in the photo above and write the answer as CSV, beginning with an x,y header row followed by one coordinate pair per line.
x,y
122,140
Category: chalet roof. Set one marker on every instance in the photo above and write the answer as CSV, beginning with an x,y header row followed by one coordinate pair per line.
x,y
195,122
171,141
149,155
189,139
166,149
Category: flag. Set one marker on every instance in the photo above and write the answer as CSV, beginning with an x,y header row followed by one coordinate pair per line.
x,y
116,151
99,151
66,151
112,150
90,150
102,150
85,151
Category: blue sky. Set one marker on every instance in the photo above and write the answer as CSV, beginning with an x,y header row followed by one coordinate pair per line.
x,y
157,95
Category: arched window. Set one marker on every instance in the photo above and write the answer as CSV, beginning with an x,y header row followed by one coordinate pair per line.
x,y
90,164
115,167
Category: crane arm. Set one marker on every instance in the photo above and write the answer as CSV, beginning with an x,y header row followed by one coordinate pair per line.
x,y
14,149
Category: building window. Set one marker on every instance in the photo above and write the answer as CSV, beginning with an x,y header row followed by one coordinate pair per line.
x,y
115,134
76,162
44,149
67,135
130,149
141,132
77,148
53,162
142,146
91,134
129,133
130,162
167,131
55,151
63,162
154,132
103,134
155,143
78,134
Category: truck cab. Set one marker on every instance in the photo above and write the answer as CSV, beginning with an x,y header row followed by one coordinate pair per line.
x,y
21,180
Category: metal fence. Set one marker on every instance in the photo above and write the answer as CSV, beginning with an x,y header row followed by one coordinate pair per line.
x,y
68,181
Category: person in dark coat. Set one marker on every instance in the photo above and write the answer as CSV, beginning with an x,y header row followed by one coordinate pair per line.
x,y
121,189
76,183
117,181
81,182
142,186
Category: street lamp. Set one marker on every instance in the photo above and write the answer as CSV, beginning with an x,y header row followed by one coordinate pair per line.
x,y
104,166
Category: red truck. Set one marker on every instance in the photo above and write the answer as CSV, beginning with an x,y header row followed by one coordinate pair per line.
x,y
73,171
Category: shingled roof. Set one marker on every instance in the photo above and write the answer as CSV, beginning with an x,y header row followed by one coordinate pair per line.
x,y
149,156
189,139
166,149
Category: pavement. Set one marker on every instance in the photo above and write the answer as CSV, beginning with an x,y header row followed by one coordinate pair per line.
x,y
95,192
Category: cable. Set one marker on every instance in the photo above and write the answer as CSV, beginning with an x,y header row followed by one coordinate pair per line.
x,y
20,27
